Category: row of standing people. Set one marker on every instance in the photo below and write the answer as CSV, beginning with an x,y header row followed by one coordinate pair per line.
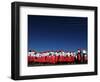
x,y
49,57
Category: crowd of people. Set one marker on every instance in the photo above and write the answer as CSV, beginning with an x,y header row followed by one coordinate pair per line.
x,y
57,57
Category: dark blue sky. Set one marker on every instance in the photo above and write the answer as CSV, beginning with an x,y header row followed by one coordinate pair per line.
x,y
55,33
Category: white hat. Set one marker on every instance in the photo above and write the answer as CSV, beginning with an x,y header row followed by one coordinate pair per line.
x,y
29,53
71,53
68,53
37,55
56,53
79,50
84,51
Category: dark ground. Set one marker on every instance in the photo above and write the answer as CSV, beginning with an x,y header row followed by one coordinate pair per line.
x,y
45,64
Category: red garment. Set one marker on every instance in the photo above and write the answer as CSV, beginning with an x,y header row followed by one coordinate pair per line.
x,y
47,59
50,59
67,59
82,58
39,59
85,58
32,58
72,59
64,58
56,59
29,58
53,59
61,59
43,59
36,59
79,57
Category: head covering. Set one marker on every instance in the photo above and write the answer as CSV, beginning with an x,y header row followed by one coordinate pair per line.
x,y
68,53
79,51
84,51
71,53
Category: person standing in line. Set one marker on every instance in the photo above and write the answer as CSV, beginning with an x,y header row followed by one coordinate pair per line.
x,y
79,56
84,56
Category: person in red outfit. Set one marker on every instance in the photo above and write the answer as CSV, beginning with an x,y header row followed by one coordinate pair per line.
x,y
84,56
61,56
53,57
37,57
33,55
72,58
56,57
61,59
29,56
67,58
75,57
47,59
79,56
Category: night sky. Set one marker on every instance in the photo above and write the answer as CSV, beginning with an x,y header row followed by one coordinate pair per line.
x,y
57,33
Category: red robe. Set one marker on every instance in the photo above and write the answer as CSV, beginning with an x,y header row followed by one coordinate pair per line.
x,y
56,59
85,58
67,59
48,59
61,59
79,57
43,59
53,59
72,59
